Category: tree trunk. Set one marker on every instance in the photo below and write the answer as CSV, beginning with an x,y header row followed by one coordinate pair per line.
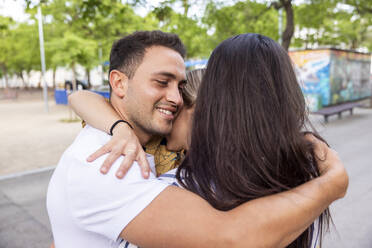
x,y
74,85
40,84
5,73
354,44
72,115
54,78
289,28
20,74
186,6
6,80
87,71
28,79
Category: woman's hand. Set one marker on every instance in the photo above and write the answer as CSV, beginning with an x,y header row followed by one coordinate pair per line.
x,y
123,142
330,166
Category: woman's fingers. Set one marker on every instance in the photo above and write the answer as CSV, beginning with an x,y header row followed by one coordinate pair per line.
x,y
109,161
102,151
144,164
126,164
132,150
128,161
320,148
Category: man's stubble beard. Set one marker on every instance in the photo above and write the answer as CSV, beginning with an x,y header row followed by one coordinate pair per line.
x,y
143,121
147,125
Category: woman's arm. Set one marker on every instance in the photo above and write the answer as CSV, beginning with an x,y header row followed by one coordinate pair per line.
x,y
98,113
93,109
178,218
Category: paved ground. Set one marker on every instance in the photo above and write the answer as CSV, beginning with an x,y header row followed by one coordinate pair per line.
x,y
30,137
23,218
352,139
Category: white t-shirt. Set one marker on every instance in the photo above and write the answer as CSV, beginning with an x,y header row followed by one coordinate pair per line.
x,y
169,177
88,209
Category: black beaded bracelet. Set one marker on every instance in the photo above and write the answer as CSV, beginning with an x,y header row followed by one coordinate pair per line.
x,y
117,122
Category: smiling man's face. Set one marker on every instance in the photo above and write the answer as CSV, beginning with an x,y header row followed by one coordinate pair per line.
x,y
153,97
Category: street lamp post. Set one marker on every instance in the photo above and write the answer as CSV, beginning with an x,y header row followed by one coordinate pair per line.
x,y
100,62
42,57
280,22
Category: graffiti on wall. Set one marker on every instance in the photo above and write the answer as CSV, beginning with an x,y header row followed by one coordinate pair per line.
x,y
350,74
330,76
313,72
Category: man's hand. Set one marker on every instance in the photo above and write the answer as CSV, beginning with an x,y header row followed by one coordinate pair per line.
x,y
330,167
123,142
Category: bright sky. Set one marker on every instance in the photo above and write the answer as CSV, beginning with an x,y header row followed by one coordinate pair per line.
x,y
14,9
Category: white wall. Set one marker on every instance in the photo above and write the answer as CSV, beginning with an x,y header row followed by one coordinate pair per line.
x,y
62,74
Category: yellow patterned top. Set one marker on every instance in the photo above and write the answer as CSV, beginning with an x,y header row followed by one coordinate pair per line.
x,y
164,160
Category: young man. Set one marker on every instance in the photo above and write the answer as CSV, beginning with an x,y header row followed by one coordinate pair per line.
x,y
88,209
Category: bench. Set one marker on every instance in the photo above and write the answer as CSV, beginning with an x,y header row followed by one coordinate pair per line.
x,y
337,109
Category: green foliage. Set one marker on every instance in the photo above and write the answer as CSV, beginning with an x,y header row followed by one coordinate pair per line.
x,y
25,49
192,34
75,30
72,50
19,49
6,42
242,17
345,23
314,23
100,21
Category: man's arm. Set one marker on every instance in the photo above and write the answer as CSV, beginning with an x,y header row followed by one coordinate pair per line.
x,y
178,218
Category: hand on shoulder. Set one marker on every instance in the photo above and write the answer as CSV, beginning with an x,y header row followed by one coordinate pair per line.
x,y
331,168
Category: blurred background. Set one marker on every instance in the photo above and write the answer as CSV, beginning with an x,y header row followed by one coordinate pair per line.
x,y
50,48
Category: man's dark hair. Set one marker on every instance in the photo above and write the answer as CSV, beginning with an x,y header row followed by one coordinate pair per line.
x,y
128,52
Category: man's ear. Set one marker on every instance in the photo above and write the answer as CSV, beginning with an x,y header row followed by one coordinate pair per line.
x,y
119,83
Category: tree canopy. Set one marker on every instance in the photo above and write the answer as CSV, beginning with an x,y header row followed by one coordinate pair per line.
x,y
76,31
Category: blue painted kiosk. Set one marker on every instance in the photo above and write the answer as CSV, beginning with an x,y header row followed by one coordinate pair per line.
x,y
332,80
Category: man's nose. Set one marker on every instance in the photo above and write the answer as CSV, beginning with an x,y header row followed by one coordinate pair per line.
x,y
174,95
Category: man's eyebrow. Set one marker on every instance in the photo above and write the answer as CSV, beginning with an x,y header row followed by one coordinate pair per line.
x,y
169,75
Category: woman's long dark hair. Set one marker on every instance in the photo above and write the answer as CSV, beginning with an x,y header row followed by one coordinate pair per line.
x,y
247,138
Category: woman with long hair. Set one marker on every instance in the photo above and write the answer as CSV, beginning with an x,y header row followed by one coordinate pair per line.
x,y
248,132
247,138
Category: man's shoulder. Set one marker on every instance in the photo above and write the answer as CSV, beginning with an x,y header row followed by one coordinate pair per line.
x,y
73,166
89,140
101,203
